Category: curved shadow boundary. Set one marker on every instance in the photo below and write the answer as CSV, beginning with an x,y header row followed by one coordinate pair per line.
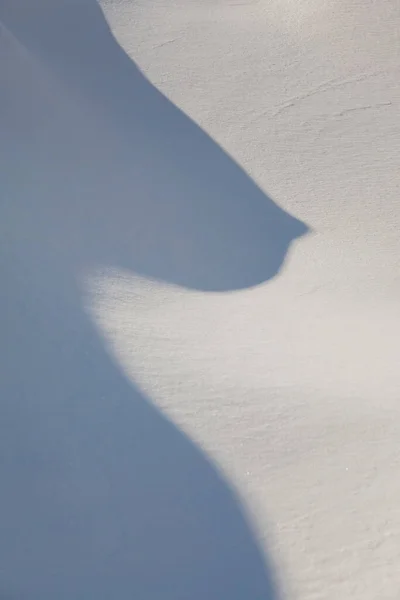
x,y
102,496
161,198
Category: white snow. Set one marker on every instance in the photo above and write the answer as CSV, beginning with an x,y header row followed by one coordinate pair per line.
x,y
200,233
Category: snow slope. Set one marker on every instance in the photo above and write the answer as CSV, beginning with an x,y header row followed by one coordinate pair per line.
x,y
201,272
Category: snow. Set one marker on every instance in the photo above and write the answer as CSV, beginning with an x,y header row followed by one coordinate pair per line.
x,y
200,281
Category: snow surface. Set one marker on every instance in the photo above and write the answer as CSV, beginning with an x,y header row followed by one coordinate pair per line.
x,y
200,310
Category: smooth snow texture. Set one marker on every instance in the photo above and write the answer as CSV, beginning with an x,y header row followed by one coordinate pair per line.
x,y
200,283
